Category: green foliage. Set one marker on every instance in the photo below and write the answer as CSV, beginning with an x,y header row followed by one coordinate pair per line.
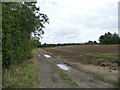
x,y
68,44
24,75
19,20
90,42
35,43
64,44
109,38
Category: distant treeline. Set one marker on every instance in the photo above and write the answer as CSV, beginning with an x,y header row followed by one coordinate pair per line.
x,y
68,44
65,44
105,39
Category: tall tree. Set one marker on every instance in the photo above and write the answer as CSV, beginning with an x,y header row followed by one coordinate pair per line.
x,y
109,38
19,20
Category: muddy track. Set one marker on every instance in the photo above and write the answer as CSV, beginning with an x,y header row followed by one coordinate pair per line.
x,y
51,76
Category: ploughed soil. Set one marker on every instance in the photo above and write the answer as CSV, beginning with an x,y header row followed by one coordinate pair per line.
x,y
78,75
102,55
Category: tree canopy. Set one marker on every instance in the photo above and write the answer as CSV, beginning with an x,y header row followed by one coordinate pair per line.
x,y
19,20
109,38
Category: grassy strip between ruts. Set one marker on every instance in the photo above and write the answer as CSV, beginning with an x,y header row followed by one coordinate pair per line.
x,y
72,83
22,76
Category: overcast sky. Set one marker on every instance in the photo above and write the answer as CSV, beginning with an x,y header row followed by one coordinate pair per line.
x,y
76,21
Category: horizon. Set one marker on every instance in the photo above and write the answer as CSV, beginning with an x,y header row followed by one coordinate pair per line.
x,y
78,21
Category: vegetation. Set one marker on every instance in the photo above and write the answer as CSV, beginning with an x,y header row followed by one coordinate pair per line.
x,y
22,26
53,45
90,42
22,76
66,77
19,21
109,38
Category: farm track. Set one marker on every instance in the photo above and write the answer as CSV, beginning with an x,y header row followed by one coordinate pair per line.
x,y
51,76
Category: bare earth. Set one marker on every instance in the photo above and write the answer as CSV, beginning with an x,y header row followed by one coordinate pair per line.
x,y
51,76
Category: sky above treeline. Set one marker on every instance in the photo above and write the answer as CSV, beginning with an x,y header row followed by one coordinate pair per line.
x,y
77,21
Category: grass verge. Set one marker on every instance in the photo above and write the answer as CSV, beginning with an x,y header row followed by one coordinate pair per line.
x,y
23,75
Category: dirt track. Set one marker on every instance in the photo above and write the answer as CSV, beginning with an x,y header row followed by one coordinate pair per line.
x,y
51,76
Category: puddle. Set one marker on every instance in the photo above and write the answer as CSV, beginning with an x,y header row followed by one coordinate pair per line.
x,y
47,56
64,67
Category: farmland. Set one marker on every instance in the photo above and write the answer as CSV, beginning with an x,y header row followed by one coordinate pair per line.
x,y
99,60
103,55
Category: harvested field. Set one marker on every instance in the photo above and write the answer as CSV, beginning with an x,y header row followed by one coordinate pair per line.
x,y
103,55
56,71
99,60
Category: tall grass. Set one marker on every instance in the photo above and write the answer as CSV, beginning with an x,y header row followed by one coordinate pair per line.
x,y
24,75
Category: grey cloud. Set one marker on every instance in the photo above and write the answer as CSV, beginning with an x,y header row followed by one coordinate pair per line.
x,y
71,22
54,3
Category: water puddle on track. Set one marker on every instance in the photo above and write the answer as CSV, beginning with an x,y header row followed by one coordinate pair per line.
x,y
64,67
47,56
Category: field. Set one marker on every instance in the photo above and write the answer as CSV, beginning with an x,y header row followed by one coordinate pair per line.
x,y
99,60
103,55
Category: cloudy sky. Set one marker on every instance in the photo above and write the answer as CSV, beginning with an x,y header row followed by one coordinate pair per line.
x,y
76,21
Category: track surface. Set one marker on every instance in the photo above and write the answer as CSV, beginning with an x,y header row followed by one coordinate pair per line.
x,y
50,75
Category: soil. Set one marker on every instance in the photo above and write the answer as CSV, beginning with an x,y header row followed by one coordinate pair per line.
x,y
51,76
102,55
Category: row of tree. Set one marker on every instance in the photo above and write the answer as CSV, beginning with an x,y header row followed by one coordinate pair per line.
x,y
107,38
19,20
59,44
